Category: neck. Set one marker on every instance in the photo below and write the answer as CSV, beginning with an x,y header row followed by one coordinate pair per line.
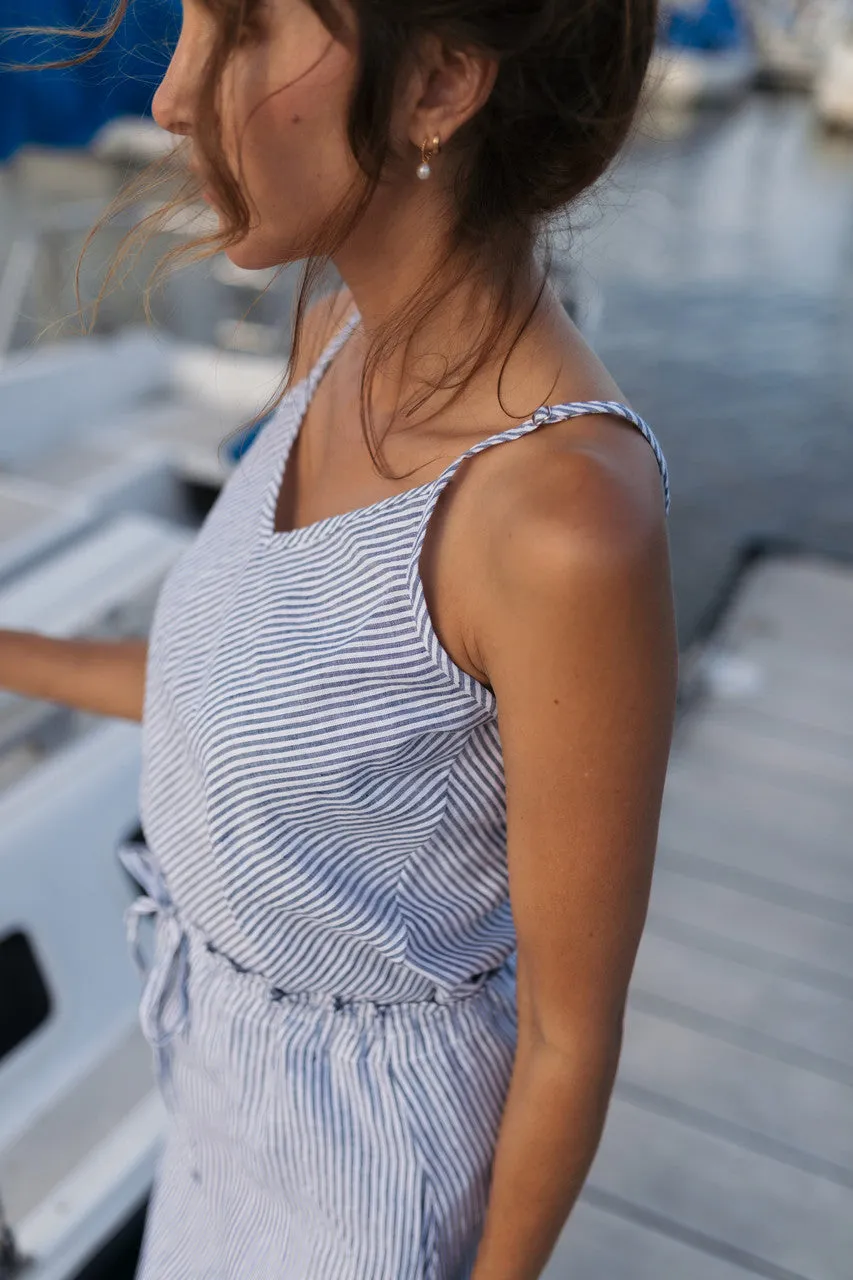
x,y
385,263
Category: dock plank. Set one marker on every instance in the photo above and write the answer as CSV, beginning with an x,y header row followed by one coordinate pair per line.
x,y
773,1013
728,1146
764,1209
799,846
757,1100
603,1245
771,747
722,915
771,681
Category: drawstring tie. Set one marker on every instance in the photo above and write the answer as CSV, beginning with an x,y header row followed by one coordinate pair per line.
x,y
164,1007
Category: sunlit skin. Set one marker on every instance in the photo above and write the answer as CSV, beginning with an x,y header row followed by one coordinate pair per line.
x,y
546,569
283,104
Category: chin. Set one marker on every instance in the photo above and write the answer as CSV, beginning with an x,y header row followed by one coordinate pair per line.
x,y
254,256
249,256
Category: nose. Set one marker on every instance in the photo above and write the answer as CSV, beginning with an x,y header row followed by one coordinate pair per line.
x,y
173,105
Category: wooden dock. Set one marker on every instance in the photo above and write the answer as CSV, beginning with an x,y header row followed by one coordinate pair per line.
x,y
728,1148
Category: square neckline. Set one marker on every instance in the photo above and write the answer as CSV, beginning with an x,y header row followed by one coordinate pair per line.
x,y
300,397
326,524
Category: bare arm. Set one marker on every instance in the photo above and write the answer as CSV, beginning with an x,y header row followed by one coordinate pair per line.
x,y
578,640
104,677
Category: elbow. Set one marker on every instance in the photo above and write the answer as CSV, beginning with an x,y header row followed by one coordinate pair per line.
x,y
577,1028
561,1033
575,1047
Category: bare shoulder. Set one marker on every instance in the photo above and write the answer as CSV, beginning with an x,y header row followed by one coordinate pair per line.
x,y
570,517
322,321
588,486
582,490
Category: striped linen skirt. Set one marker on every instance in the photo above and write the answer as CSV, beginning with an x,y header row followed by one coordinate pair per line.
x,y
312,1138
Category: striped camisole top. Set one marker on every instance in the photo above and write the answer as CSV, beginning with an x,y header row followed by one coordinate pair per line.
x,y
322,787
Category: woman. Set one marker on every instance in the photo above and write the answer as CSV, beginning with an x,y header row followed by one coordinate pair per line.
x,y
406,721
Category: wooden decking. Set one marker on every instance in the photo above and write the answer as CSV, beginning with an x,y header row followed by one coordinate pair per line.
x,y
728,1148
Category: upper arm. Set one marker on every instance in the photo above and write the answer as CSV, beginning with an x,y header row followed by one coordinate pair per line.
x,y
575,629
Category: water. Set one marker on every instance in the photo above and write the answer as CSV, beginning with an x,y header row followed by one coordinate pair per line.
x,y
724,262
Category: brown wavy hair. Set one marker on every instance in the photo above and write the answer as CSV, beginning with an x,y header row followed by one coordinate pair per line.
x,y
569,81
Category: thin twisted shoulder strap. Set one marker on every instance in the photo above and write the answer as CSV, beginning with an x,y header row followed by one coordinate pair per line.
x,y
545,414
328,354
559,413
483,696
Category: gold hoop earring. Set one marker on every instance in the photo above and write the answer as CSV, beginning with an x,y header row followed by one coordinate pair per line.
x,y
428,150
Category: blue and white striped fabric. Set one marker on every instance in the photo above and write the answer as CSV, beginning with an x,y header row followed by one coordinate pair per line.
x,y
331,993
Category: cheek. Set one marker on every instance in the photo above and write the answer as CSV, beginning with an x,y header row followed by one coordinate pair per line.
x,y
298,147
296,161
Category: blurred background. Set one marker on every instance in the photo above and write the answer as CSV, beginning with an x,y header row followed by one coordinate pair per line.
x,y
713,272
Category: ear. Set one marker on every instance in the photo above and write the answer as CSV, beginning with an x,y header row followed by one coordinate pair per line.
x,y
447,88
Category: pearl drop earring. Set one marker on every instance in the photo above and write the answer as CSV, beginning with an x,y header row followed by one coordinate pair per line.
x,y
428,150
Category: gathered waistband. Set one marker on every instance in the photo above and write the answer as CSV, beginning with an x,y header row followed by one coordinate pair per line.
x,y
181,945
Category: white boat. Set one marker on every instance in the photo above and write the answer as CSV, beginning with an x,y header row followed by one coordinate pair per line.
x,y
794,37
132,140
114,420
87,429
679,78
80,1120
35,519
55,444
834,87
704,55
110,447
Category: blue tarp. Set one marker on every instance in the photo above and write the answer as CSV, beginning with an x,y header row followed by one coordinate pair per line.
x,y
711,25
65,108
